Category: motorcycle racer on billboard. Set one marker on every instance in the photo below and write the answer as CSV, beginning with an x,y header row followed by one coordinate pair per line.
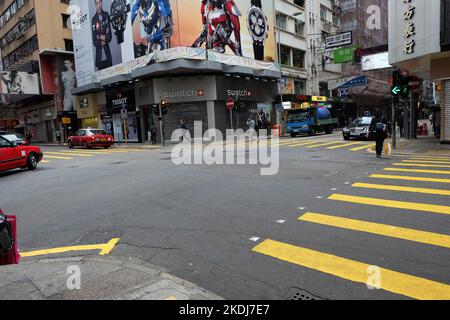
x,y
220,20
156,19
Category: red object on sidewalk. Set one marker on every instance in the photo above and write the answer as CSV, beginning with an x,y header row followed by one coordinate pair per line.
x,y
13,257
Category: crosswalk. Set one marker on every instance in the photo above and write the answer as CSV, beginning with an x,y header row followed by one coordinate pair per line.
x,y
326,144
406,182
78,154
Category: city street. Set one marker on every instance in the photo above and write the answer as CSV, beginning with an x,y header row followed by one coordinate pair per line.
x,y
319,228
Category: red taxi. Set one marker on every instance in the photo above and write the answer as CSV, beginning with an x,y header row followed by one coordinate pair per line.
x,y
13,155
88,138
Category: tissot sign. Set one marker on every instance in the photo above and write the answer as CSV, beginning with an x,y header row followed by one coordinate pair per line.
x,y
414,29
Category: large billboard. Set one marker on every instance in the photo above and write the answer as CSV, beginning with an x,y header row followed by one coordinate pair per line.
x,y
111,32
13,82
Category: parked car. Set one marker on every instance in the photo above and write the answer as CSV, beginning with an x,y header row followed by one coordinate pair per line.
x,y
360,128
13,155
89,138
17,137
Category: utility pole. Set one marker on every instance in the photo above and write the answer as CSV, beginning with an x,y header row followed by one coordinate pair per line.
x,y
394,126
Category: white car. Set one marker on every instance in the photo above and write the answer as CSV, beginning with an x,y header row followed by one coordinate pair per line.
x,y
17,138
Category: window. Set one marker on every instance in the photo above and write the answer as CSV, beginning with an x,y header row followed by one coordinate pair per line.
x,y
298,58
300,28
68,44
300,3
300,86
285,55
281,21
323,13
65,18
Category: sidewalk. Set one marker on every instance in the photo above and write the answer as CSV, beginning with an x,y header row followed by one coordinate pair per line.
x,y
102,278
117,145
423,145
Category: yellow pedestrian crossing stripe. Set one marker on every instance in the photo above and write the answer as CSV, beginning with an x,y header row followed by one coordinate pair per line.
x,y
427,161
431,238
363,148
293,142
45,161
302,144
324,144
407,178
58,157
402,188
415,206
68,154
421,165
396,282
89,152
430,158
344,145
417,171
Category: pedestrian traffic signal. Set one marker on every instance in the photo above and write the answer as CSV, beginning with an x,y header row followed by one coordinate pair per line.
x,y
400,84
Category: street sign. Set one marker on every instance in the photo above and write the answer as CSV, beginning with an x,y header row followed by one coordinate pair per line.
x,y
230,104
342,55
339,40
66,120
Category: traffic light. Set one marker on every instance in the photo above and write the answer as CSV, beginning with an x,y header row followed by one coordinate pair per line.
x,y
237,106
400,85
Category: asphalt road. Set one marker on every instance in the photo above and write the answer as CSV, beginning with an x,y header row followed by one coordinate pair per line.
x,y
237,233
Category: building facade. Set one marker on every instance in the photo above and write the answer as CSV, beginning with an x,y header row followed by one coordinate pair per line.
x,y
302,26
38,68
419,42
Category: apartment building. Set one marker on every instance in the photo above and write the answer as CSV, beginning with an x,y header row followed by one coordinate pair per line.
x,y
37,55
302,26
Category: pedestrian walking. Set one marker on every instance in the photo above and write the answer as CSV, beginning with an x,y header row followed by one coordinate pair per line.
x,y
184,129
252,128
401,117
437,123
153,133
379,128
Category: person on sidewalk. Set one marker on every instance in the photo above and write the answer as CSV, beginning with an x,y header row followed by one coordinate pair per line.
x,y
252,128
153,133
379,128
401,117
184,129
437,123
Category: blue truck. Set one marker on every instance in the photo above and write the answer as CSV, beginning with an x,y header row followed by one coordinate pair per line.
x,y
310,121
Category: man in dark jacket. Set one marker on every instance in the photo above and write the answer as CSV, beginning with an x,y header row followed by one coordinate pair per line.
x,y
379,129
101,34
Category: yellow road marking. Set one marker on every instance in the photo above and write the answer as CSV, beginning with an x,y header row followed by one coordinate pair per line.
x,y
396,282
401,188
344,145
427,161
57,157
436,239
426,179
105,248
89,152
418,171
45,161
363,148
324,144
286,143
301,144
421,165
171,298
392,203
69,154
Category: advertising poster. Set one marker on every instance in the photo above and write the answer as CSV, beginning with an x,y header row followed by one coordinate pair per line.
x,y
19,83
111,32
67,80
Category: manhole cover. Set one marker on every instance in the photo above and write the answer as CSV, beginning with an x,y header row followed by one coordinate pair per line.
x,y
300,294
